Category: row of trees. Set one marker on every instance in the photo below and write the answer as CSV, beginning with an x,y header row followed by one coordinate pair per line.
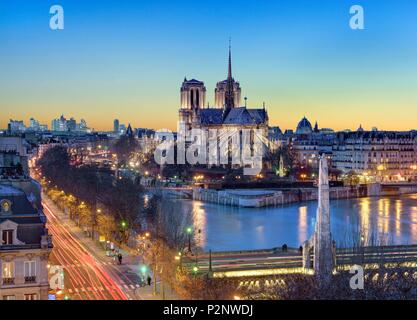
x,y
91,194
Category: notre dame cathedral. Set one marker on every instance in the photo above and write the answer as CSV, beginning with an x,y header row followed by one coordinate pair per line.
x,y
227,111
227,114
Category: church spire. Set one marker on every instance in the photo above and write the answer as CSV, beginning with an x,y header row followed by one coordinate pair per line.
x,y
229,94
229,71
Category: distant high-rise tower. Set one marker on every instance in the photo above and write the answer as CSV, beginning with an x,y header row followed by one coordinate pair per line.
x,y
59,124
116,127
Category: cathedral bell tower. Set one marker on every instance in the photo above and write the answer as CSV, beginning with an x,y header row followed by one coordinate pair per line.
x,y
193,94
193,98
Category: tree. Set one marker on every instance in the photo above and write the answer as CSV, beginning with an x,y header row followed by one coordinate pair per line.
x,y
206,288
55,165
124,147
171,226
106,225
169,238
335,173
122,199
352,178
287,155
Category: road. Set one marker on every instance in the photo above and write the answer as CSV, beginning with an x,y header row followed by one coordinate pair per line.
x,y
89,273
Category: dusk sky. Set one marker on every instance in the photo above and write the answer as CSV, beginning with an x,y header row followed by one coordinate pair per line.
x,y
127,59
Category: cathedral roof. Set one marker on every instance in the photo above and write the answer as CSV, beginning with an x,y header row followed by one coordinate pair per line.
x,y
240,116
211,116
259,115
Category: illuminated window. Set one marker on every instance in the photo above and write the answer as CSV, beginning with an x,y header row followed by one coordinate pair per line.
x,y
31,296
8,270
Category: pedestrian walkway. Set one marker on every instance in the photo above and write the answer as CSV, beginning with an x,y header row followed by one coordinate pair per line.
x,y
133,284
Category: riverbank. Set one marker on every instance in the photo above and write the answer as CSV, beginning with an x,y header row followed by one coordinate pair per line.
x,y
268,197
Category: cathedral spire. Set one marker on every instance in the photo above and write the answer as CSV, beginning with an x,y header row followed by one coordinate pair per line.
x,y
229,94
229,71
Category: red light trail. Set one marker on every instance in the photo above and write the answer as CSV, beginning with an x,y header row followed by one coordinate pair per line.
x,y
85,275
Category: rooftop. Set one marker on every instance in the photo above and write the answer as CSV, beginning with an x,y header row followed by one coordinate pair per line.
x,y
9,191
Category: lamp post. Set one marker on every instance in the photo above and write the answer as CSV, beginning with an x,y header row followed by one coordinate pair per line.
x,y
189,232
94,222
124,225
179,259
210,264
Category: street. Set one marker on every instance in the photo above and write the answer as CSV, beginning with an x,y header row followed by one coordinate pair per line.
x,y
89,273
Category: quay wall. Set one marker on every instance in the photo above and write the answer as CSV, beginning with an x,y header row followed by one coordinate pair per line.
x,y
257,198
272,197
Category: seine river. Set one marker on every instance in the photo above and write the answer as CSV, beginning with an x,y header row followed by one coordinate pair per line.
x,y
384,220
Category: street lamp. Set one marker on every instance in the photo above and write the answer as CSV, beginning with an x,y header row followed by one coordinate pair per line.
x,y
143,269
179,258
189,231
195,270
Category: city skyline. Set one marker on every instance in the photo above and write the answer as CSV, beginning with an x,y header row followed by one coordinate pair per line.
x,y
227,151
301,59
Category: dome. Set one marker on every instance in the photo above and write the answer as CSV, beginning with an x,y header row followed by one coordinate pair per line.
x,y
304,127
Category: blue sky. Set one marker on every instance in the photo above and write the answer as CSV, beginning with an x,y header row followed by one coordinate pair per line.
x,y
126,59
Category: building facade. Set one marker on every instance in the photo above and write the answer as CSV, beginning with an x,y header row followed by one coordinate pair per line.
x,y
227,115
24,249
386,155
380,155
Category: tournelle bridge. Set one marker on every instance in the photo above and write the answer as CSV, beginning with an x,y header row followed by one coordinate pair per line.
x,y
275,261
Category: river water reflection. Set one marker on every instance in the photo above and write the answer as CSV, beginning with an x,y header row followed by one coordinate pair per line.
x,y
390,220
